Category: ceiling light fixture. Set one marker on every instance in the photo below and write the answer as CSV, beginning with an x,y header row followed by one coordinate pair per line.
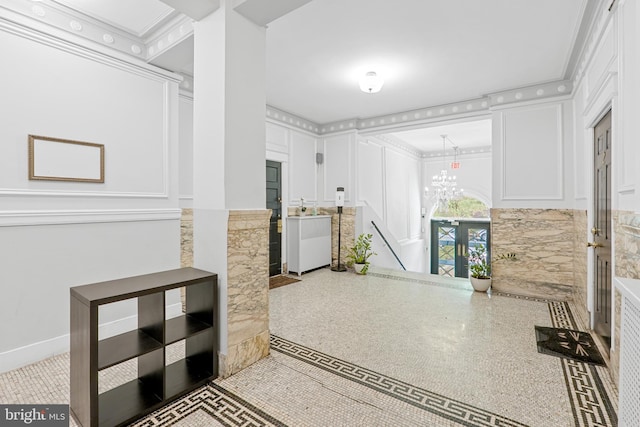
x,y
371,83
445,186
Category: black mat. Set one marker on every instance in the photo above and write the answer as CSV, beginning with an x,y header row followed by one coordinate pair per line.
x,y
567,343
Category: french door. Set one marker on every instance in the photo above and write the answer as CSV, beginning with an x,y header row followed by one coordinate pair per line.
x,y
450,244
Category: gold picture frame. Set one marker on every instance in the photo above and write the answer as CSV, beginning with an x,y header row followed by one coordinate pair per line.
x,y
55,159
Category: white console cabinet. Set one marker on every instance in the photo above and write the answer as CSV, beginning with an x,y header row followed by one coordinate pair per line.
x,y
308,242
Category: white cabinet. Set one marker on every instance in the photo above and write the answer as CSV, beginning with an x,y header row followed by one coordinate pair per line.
x,y
308,242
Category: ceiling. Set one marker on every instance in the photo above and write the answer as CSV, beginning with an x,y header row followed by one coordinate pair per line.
x,y
428,52
469,137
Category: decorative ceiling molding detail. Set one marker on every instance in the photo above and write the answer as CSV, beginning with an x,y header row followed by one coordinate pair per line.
x,y
472,107
461,152
79,24
601,19
398,143
169,36
424,114
291,120
541,91
187,83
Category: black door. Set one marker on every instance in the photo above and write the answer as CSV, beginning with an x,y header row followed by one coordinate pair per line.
x,y
450,243
274,202
602,229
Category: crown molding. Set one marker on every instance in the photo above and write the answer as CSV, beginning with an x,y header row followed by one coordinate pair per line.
x,y
541,92
291,120
399,143
599,22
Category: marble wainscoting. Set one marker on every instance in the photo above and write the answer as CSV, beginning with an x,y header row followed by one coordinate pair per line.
x,y
186,246
348,228
186,238
627,264
543,241
627,232
580,229
247,290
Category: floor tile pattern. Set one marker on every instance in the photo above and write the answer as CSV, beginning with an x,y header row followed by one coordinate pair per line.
x,y
443,406
210,405
405,381
590,400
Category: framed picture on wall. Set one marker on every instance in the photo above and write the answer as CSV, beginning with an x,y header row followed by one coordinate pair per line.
x,y
54,159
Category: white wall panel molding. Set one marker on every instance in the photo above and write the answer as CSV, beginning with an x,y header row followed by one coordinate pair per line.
x,y
26,218
22,26
370,189
532,150
303,171
78,193
338,161
601,21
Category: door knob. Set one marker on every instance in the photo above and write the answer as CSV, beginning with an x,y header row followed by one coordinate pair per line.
x,y
593,245
595,231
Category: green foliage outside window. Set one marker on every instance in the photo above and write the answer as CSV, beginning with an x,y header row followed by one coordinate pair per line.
x,y
466,207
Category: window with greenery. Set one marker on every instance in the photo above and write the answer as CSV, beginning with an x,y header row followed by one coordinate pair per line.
x,y
466,207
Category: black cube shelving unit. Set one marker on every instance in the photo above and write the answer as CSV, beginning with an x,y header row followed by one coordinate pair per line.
x,y
156,384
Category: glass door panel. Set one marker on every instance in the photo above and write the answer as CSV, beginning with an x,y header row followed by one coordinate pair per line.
x,y
446,251
450,243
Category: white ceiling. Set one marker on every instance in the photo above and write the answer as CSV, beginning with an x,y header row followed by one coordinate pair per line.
x,y
428,52
467,136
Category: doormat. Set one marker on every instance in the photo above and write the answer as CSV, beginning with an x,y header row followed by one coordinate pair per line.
x,y
569,344
277,281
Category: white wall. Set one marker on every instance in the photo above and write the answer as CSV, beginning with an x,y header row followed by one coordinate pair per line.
x,y
185,143
473,177
53,234
388,185
532,147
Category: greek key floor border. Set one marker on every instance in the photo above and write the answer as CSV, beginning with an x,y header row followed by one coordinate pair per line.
x,y
589,399
220,404
445,407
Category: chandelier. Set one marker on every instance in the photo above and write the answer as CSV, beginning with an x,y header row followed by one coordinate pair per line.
x,y
444,185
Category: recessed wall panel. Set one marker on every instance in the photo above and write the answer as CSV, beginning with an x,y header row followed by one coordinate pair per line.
x,y
532,154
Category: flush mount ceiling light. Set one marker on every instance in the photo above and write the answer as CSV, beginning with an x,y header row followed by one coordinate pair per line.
x,y
371,83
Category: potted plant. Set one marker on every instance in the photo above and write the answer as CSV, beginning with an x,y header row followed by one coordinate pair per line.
x,y
358,255
479,269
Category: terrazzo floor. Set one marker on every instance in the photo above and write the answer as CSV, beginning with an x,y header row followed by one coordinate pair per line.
x,y
386,349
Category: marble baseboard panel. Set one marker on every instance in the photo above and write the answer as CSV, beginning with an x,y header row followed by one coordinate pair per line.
x,y
533,288
247,289
614,355
244,354
580,230
186,246
186,238
543,241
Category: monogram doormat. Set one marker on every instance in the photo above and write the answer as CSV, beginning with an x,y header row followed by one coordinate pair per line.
x,y
568,343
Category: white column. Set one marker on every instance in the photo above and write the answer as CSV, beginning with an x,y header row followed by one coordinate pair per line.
x,y
228,140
